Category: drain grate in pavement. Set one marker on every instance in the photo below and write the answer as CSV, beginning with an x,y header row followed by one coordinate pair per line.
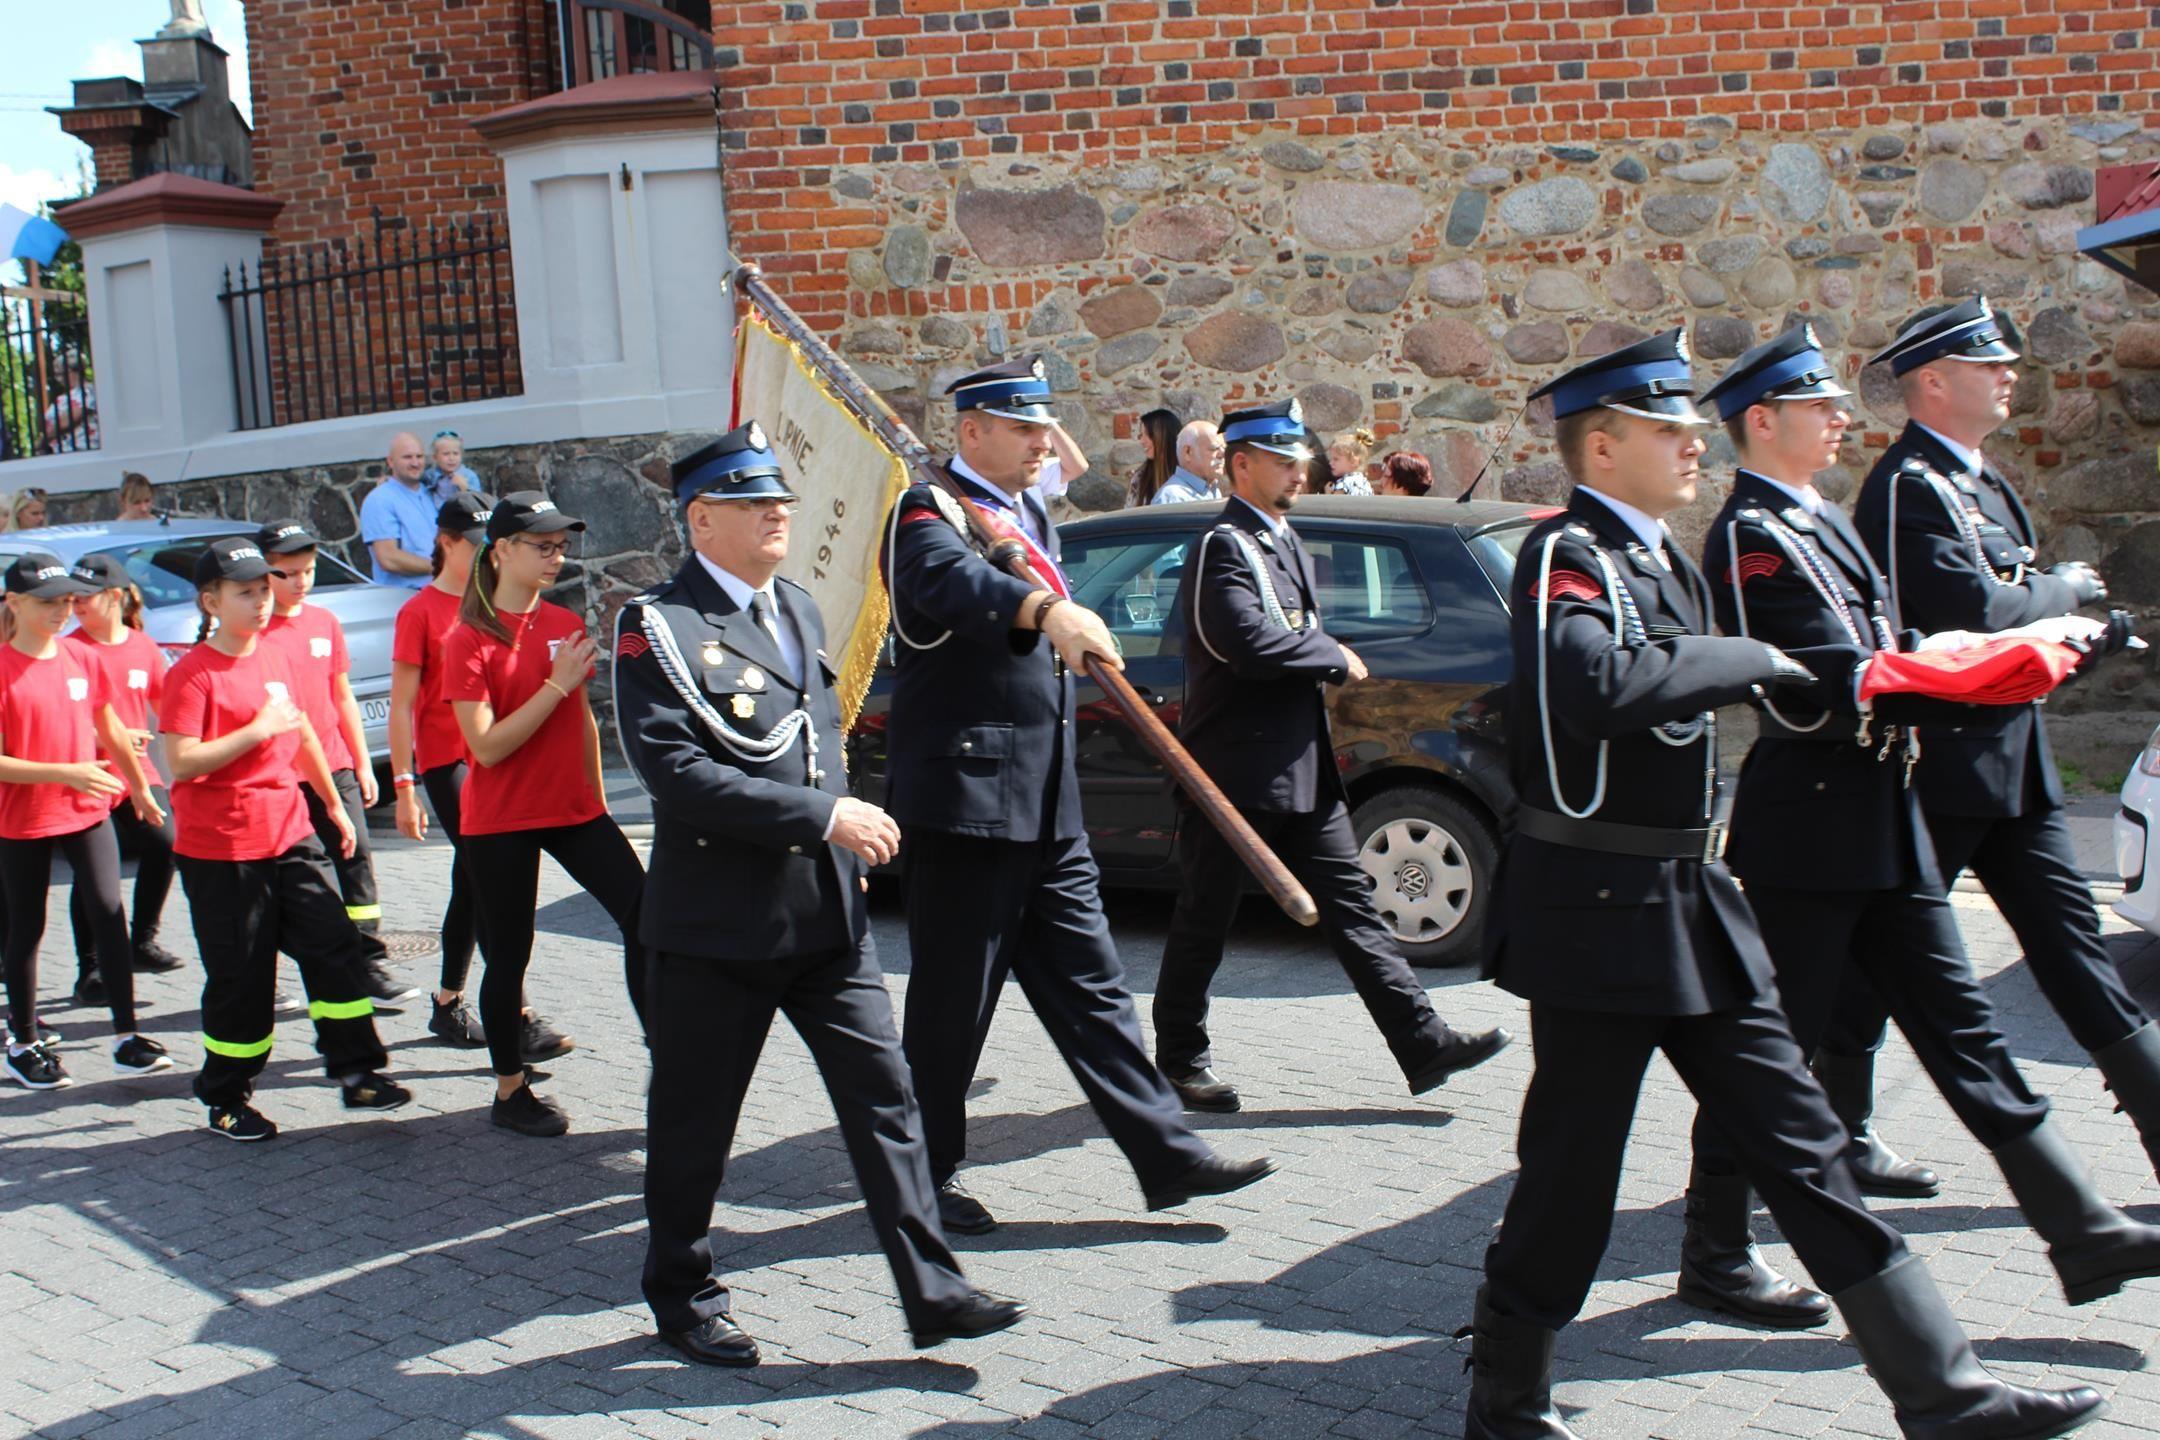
x,y
410,944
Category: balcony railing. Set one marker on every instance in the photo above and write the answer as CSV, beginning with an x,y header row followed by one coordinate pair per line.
x,y
606,38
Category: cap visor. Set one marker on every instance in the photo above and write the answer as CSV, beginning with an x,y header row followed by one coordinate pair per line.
x,y
1663,409
549,524
52,589
1821,390
783,493
1993,353
1025,414
1299,451
245,570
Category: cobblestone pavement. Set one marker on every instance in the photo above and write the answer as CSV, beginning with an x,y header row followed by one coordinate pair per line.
x,y
422,1274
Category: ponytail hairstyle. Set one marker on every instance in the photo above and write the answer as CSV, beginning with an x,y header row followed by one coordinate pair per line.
x,y
202,630
435,557
7,624
477,609
1357,444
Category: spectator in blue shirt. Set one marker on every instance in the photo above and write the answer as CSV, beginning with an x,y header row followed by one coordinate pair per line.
x,y
397,519
447,472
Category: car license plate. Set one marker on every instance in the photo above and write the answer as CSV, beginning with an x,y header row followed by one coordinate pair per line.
x,y
374,712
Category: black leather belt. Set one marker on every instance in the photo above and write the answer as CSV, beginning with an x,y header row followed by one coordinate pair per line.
x,y
1702,843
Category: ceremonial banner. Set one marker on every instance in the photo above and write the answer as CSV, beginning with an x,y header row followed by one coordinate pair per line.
x,y
848,482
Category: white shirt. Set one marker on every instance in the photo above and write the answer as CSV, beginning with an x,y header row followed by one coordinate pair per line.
x,y
1650,531
740,591
1970,458
1809,499
1275,526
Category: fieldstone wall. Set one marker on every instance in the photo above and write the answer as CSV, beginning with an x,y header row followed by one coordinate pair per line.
x,y
1420,286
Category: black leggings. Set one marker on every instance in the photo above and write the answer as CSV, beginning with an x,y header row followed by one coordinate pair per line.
x,y
153,879
505,873
445,786
25,876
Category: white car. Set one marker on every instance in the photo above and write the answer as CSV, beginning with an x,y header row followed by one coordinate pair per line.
x,y
2137,828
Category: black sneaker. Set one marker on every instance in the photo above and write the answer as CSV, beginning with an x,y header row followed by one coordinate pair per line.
x,y
456,1024
155,959
538,1040
528,1114
241,1122
36,1068
90,989
140,1055
374,1092
387,991
46,1035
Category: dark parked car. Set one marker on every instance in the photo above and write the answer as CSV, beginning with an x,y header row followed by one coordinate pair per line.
x,y
1417,587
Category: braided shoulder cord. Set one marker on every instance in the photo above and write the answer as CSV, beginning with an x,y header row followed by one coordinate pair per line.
x,y
757,748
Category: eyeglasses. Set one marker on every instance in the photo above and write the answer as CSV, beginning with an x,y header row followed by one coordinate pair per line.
x,y
556,551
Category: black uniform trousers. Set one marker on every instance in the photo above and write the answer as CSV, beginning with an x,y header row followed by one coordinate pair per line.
x,y
1748,1076
981,909
709,1022
245,912
355,872
1905,942
1318,847
2031,872
152,845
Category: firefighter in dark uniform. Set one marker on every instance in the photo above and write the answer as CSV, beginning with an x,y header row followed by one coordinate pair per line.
x,y
1256,663
1618,925
1000,879
1827,837
1959,550
754,904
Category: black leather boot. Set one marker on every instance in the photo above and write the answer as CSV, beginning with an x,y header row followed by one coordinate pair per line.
x,y
2096,1249
1511,1379
1937,1386
1849,1081
2131,1067
1720,1268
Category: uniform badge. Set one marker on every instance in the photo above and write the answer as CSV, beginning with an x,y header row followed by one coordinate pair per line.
x,y
78,688
138,679
753,678
318,647
1799,519
1296,618
712,653
756,436
744,706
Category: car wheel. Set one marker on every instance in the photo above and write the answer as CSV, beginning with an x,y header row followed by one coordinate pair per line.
x,y
1431,859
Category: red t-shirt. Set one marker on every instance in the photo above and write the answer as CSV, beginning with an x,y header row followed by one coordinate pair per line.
x,y
547,781
47,710
132,676
314,645
251,808
423,629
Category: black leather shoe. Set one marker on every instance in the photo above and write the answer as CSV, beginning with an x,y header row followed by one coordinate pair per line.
x,y
978,1315
1213,1176
719,1341
961,1213
1458,1052
1203,1089
1879,1170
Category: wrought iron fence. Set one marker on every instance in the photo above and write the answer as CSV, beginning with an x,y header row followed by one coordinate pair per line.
x,y
48,395
353,328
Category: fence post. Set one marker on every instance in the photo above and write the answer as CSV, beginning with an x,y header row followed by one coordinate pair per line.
x,y
154,252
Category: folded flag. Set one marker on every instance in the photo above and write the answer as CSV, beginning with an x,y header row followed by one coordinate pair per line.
x,y
24,236
1992,672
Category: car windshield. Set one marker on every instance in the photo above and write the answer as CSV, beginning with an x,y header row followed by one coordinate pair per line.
x,y
163,567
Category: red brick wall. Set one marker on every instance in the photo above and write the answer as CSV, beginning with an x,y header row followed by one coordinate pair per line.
x,y
811,87
366,104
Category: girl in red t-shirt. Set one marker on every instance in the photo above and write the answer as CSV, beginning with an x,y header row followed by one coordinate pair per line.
x,y
515,673
258,881
110,642
427,752
55,795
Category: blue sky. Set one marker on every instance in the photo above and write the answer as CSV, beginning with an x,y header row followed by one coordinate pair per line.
x,y
49,45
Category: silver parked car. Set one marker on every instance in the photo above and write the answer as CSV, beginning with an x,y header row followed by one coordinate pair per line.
x,y
160,555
